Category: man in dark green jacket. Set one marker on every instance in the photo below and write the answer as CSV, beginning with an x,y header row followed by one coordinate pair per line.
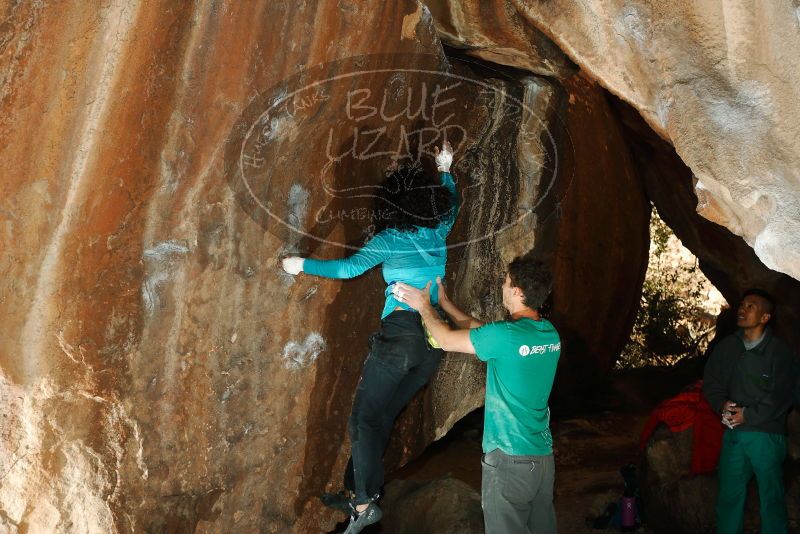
x,y
750,379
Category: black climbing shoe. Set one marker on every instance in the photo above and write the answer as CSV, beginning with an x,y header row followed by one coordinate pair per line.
x,y
359,521
338,501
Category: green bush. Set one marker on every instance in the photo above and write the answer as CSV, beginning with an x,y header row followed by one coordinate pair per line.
x,y
675,319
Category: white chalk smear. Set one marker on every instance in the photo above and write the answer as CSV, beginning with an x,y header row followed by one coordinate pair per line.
x,y
297,205
300,355
160,266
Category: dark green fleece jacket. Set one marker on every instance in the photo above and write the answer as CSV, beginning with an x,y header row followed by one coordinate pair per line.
x,y
761,379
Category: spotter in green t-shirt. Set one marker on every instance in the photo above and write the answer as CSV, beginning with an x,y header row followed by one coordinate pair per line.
x,y
521,358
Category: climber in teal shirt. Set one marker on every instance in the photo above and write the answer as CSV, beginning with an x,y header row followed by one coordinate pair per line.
x,y
411,249
414,257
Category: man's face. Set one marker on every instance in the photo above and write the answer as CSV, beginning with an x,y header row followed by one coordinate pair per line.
x,y
751,312
508,293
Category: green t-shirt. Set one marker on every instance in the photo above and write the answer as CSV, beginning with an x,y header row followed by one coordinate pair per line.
x,y
521,357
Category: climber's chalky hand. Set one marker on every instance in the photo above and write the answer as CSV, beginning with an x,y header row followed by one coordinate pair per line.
x,y
444,157
293,265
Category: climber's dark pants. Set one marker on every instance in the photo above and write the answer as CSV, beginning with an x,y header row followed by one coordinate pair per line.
x,y
399,363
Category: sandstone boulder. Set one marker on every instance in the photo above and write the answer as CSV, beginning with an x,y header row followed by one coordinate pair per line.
x,y
158,371
443,506
717,80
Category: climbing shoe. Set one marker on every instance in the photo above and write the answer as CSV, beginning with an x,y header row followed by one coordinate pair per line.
x,y
338,501
359,521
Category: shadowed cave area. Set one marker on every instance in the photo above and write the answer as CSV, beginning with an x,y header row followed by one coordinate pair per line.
x,y
160,372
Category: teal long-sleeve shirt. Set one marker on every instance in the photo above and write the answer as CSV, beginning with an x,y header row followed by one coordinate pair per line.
x,y
413,257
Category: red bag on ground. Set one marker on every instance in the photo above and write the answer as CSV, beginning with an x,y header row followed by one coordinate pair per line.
x,y
686,410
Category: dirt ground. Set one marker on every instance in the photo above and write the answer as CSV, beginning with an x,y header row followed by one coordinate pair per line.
x,y
590,447
589,452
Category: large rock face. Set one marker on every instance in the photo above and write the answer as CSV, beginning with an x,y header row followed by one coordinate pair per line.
x,y
602,195
718,80
160,373
157,369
